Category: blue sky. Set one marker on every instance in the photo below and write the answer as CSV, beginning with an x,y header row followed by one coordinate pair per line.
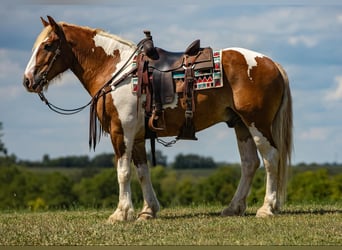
x,y
304,36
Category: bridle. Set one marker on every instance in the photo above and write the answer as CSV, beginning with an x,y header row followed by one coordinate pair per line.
x,y
43,76
44,81
106,88
102,91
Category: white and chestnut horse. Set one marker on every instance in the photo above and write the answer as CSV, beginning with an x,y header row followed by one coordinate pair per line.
x,y
255,99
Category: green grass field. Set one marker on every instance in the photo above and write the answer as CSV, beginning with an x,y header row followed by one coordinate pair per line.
x,y
198,225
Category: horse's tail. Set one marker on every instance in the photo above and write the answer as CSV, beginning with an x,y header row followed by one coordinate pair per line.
x,y
282,136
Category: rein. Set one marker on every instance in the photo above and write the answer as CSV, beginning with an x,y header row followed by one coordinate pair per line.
x,y
94,135
64,111
59,110
109,86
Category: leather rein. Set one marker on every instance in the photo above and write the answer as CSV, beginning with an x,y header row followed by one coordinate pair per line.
x,y
106,88
102,91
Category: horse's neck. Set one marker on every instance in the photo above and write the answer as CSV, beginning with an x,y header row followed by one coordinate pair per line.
x,y
97,64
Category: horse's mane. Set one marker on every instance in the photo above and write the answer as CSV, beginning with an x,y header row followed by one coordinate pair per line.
x,y
115,37
47,30
42,36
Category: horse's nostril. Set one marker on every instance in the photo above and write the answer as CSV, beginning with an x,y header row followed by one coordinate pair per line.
x,y
26,82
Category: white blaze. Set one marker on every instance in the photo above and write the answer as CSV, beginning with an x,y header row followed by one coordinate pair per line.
x,y
32,63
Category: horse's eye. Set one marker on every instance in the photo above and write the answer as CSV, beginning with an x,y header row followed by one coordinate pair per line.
x,y
48,47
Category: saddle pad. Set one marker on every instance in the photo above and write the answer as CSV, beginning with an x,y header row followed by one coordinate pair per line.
x,y
204,78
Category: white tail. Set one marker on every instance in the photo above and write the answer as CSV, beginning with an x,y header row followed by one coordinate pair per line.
x,y
282,136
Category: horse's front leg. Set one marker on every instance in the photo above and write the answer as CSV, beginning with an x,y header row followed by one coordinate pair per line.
x,y
151,204
124,210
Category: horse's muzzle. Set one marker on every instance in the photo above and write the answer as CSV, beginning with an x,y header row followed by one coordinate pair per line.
x,y
33,84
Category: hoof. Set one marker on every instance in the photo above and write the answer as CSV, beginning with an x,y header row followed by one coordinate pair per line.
x,y
143,216
264,212
228,212
231,211
120,215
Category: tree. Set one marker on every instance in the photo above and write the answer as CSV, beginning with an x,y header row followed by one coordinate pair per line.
x,y
69,161
105,160
98,191
3,149
160,158
56,191
193,161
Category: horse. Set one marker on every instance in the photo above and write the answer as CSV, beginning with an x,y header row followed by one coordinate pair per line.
x,y
255,100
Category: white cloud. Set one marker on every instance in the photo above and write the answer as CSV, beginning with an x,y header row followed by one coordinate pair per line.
x,y
308,41
339,18
279,29
315,134
335,94
10,92
8,66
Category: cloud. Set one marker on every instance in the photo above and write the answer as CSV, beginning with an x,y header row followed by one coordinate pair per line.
x,y
339,18
302,39
10,92
315,134
335,94
11,73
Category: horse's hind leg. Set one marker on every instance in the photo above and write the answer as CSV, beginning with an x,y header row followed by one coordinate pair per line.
x,y
270,155
151,204
249,164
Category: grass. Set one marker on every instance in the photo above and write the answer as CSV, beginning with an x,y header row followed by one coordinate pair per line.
x,y
200,225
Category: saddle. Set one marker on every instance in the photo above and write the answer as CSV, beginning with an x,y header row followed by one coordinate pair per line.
x,y
156,70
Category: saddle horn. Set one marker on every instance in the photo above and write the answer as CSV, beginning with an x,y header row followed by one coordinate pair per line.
x,y
149,48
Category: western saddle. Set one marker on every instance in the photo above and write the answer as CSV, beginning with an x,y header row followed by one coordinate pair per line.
x,y
156,68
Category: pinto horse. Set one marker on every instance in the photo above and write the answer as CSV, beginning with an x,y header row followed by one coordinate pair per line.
x,y
255,99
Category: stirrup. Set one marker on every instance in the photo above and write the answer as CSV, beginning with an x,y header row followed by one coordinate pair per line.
x,y
155,118
187,131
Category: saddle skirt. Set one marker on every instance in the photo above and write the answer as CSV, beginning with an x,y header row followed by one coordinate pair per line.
x,y
170,73
162,75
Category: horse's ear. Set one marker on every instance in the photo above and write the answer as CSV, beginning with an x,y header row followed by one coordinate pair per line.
x,y
45,23
56,28
53,23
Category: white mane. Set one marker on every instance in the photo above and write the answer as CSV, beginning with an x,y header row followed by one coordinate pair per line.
x,y
110,42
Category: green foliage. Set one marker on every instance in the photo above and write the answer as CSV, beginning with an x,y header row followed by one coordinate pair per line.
x,y
56,191
3,150
104,160
100,190
160,158
193,161
219,186
20,188
16,187
37,204
316,185
258,189
164,181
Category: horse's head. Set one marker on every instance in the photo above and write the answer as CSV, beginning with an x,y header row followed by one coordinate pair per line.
x,y
49,58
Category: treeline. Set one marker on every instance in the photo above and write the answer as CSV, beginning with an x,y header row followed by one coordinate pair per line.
x,y
21,188
106,160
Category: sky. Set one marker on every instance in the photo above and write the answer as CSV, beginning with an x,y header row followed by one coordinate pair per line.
x,y
304,36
